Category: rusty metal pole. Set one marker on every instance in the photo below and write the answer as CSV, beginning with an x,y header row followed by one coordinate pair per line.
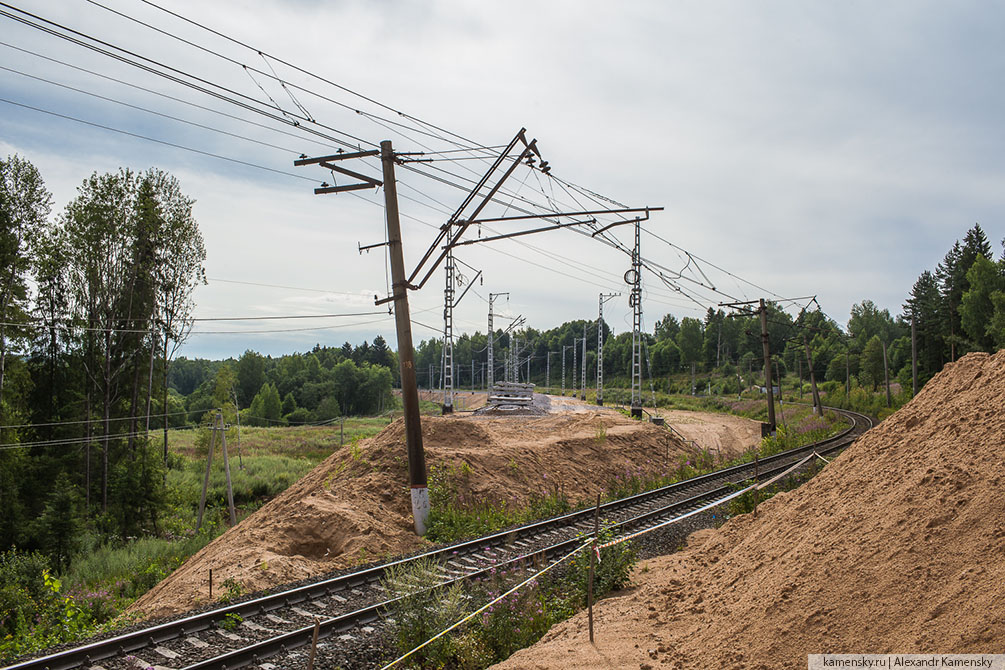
x,y
406,355
766,346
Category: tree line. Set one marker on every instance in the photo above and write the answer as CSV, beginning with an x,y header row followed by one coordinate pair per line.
x,y
958,308
94,303
300,388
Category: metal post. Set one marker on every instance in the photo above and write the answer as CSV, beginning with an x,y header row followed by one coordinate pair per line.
x,y
635,302
547,373
564,348
514,354
604,297
406,354
448,336
491,342
575,365
766,346
582,386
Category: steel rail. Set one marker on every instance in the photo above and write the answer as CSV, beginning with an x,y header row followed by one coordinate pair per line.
x,y
95,652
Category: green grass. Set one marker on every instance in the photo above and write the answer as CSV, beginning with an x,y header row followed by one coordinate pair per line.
x,y
128,570
313,443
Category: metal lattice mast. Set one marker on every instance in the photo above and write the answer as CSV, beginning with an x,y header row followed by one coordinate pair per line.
x,y
604,297
492,336
564,348
635,301
514,356
448,336
575,366
547,372
582,379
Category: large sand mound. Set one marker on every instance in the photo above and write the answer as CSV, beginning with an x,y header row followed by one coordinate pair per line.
x,y
354,507
896,547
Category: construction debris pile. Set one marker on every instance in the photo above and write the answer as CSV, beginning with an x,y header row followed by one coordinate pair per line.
x,y
512,398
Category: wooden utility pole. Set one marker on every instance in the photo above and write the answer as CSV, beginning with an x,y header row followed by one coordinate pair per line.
x,y
766,346
205,481
519,152
799,368
762,311
847,370
406,354
914,360
817,409
886,377
226,468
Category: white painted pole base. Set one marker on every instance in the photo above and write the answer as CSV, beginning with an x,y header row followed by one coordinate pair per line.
x,y
420,508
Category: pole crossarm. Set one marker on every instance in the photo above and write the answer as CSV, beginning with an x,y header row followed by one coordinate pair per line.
x,y
328,162
549,215
304,160
557,226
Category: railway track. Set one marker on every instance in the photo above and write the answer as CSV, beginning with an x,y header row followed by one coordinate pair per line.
x,y
248,633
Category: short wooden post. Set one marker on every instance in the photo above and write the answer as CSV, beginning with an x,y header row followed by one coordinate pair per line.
x,y
314,644
211,583
205,481
226,470
593,564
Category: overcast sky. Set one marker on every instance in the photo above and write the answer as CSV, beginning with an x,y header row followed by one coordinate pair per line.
x,y
806,148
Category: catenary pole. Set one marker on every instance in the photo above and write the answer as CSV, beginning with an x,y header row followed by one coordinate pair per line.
x,y
406,354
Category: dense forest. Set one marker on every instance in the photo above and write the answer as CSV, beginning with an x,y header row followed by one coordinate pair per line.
x,y
96,302
313,387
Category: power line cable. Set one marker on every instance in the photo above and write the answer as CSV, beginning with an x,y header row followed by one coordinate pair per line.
x,y
157,141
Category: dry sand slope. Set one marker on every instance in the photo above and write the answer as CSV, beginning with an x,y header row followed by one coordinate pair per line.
x,y
897,546
356,508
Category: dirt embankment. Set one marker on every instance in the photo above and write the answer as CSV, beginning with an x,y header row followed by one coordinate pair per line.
x,y
355,506
895,547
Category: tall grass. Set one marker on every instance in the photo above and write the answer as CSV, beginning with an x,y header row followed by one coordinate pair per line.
x,y
127,570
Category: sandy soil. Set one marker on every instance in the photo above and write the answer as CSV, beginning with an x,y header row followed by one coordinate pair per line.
x,y
463,400
355,506
897,546
721,434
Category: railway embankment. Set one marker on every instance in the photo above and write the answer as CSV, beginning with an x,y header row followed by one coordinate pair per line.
x,y
354,509
897,546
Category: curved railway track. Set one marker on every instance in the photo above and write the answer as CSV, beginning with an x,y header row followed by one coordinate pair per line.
x,y
279,622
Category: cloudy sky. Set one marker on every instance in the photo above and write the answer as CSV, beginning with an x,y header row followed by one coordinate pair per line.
x,y
799,148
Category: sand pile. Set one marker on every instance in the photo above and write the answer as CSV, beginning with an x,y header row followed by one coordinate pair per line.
x,y
355,506
896,546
